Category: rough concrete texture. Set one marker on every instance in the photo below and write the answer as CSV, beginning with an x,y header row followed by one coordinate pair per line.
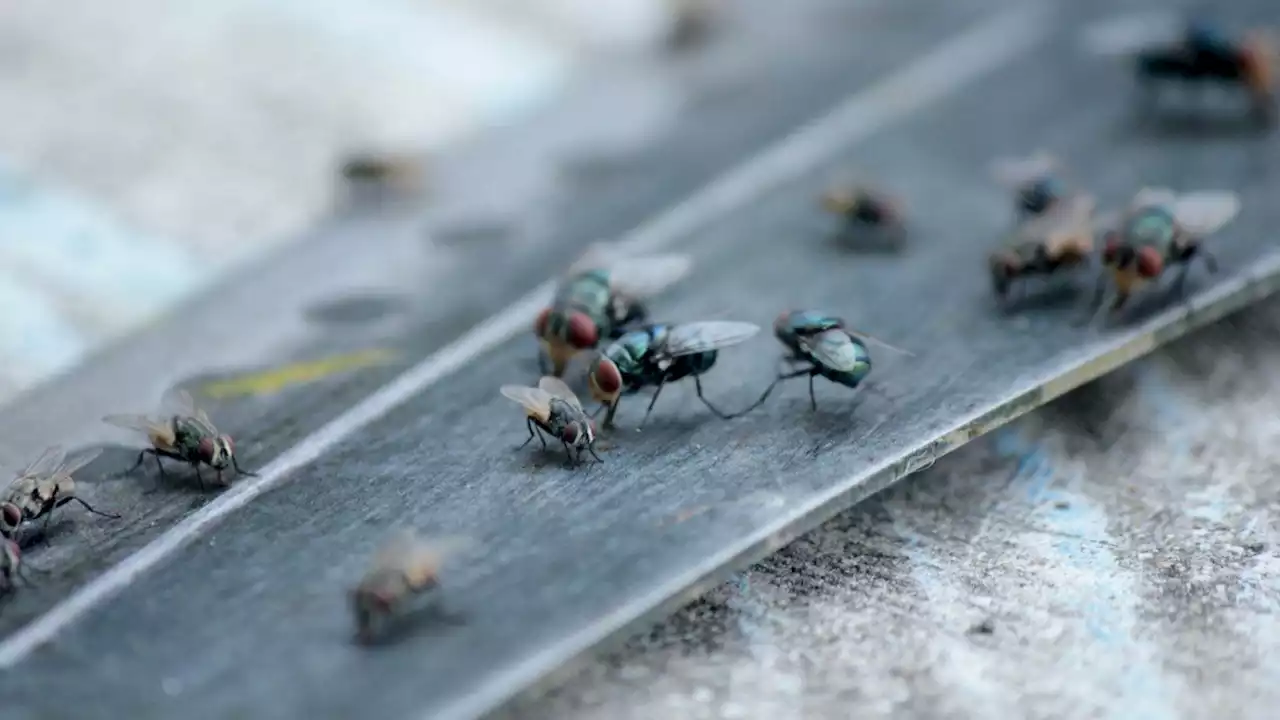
x,y
1112,555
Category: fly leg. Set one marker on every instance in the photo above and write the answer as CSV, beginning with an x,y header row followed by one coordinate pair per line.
x,y
656,393
1095,303
613,411
159,465
86,506
199,476
240,471
697,384
592,450
528,422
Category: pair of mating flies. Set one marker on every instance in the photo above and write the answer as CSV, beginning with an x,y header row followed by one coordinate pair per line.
x,y
1158,230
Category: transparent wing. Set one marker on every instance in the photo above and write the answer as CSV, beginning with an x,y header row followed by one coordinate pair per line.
x,y
1068,216
1206,212
1013,172
556,387
1152,197
407,549
73,462
140,423
833,349
876,341
535,401
642,277
179,401
697,337
48,462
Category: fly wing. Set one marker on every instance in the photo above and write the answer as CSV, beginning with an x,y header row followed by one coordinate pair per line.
x,y
1013,172
151,427
47,463
556,387
75,461
179,401
409,552
1152,197
536,401
1205,212
642,277
832,349
691,338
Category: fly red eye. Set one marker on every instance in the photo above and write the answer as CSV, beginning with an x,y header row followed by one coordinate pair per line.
x,y
582,331
780,325
570,433
606,376
12,515
1110,248
1150,264
206,449
540,325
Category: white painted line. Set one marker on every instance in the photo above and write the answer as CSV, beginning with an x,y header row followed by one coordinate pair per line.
x,y
960,61
1128,34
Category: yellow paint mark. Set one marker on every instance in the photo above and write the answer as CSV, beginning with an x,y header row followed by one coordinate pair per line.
x,y
273,381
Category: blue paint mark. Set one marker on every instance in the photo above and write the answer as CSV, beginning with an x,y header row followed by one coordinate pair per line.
x,y
79,251
1108,608
752,615
1180,424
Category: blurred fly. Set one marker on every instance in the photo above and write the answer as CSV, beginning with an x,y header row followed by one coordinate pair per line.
x,y
1161,229
45,485
1056,240
600,297
553,408
659,353
406,568
826,347
860,205
183,432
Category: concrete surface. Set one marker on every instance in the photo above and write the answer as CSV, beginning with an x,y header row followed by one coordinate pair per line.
x,y
257,603
148,148
1111,556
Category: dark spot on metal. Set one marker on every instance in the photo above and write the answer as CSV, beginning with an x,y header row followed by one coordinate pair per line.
x,y
1062,505
357,309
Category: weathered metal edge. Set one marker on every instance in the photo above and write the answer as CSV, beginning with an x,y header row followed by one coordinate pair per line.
x,y
1261,281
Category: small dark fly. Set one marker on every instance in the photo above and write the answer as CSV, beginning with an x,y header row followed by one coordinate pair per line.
x,y
826,348
183,432
599,298
553,408
1161,229
862,206
406,568
46,484
658,354
1035,181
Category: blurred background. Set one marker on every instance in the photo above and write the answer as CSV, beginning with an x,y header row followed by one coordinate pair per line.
x,y
149,147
